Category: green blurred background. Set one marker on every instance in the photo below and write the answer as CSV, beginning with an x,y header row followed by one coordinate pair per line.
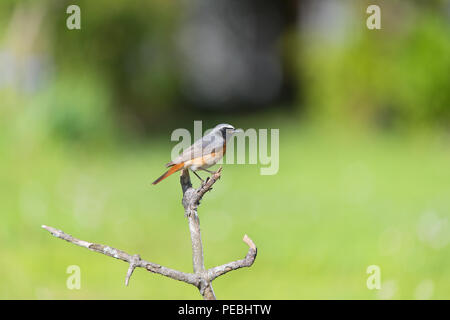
x,y
364,118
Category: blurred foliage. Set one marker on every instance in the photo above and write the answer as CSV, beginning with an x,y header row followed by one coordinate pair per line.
x,y
77,108
122,71
387,77
121,62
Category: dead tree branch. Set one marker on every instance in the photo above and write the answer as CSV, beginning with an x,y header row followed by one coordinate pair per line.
x,y
201,278
134,260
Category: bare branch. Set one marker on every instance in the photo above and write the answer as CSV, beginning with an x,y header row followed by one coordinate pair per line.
x,y
201,278
191,196
191,201
133,264
246,262
134,261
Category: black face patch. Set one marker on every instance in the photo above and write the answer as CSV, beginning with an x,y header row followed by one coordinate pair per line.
x,y
224,132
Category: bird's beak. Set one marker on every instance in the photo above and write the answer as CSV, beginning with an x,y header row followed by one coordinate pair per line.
x,y
238,131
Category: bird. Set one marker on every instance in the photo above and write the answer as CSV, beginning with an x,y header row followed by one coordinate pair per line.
x,y
204,153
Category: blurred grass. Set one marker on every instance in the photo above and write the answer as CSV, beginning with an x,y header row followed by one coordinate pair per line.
x,y
342,200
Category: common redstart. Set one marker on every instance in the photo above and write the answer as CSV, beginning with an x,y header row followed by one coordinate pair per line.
x,y
204,153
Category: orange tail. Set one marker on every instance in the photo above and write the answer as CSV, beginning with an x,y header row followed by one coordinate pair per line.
x,y
173,169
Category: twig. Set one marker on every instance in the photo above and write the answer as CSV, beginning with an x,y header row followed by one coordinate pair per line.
x,y
133,264
134,261
200,278
246,262
191,201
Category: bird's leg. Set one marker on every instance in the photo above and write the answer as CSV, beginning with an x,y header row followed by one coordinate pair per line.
x,y
211,172
198,176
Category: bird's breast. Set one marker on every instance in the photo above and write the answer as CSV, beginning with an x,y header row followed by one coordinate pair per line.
x,y
207,160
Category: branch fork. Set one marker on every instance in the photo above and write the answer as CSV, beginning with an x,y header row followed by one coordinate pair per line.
x,y
200,278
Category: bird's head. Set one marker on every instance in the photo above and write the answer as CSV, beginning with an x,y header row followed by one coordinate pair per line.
x,y
226,130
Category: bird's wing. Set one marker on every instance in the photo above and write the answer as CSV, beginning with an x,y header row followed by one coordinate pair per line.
x,y
200,147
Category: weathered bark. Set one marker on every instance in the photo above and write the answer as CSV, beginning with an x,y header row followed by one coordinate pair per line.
x,y
201,278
